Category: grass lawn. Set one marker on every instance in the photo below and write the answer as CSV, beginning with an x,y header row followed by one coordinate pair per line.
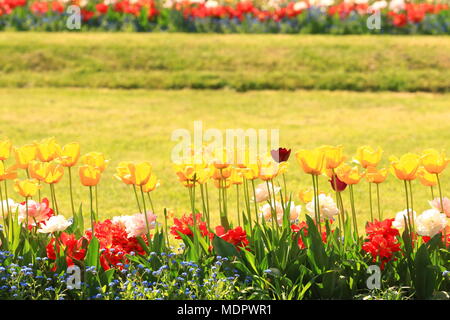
x,y
137,125
241,62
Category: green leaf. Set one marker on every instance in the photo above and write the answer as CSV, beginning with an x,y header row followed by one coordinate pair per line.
x,y
93,253
223,248
426,275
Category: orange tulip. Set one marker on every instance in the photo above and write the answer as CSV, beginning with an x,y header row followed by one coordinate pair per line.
x,y
311,161
48,150
221,158
433,161
427,179
24,155
89,175
95,159
7,173
333,156
70,154
406,167
26,188
5,149
368,157
374,175
349,175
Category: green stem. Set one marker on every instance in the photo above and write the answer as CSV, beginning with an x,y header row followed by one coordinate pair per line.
x,y
146,217
440,193
370,202
71,191
151,202
352,201
378,202
91,197
255,204
96,203
237,205
137,198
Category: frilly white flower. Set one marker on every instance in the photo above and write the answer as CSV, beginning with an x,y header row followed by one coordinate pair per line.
x,y
8,203
294,211
211,4
377,6
397,5
55,224
430,223
327,207
261,192
301,5
399,222
135,225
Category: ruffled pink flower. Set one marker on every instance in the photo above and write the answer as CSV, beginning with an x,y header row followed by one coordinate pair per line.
x,y
436,203
37,212
136,225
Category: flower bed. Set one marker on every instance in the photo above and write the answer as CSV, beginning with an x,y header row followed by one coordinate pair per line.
x,y
270,250
347,17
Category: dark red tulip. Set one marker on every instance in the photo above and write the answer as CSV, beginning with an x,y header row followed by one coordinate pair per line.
x,y
337,184
281,155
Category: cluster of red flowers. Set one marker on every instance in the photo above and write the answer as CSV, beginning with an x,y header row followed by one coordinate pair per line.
x,y
40,8
186,224
381,241
70,246
236,236
239,11
7,6
114,245
415,13
302,226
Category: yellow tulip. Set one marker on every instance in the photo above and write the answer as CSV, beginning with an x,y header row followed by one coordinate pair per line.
x,y
306,195
333,156
38,170
70,154
24,155
89,175
54,173
433,161
311,161
368,157
349,175
270,169
237,176
427,179
123,172
251,172
137,174
151,184
7,173
406,167
95,159
140,173
26,188
375,175
5,149
48,150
